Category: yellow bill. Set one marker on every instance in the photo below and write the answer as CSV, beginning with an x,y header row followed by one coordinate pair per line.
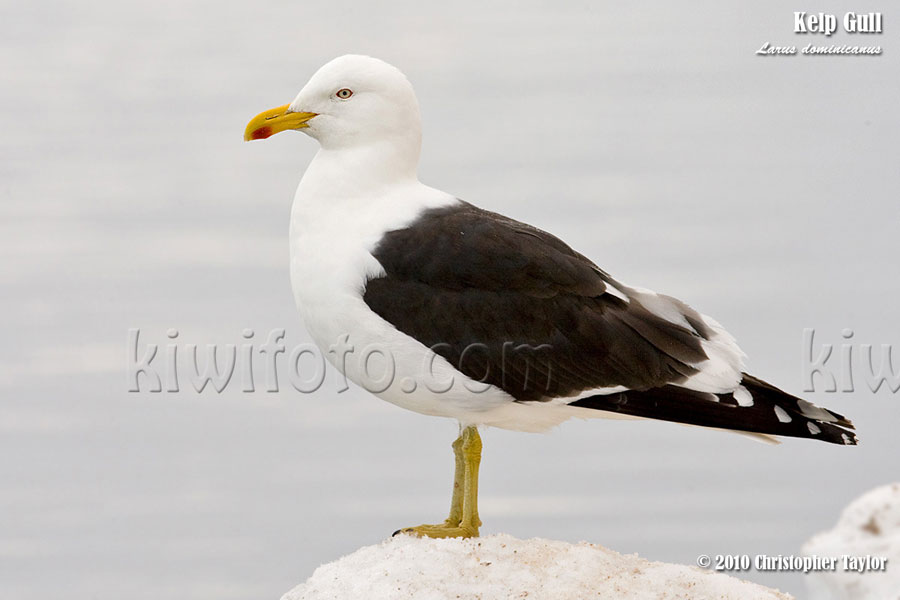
x,y
274,120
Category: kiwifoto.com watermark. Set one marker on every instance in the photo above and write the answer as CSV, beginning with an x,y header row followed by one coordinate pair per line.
x,y
265,363
847,367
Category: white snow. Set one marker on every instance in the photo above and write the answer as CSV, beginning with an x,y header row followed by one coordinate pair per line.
x,y
869,526
503,567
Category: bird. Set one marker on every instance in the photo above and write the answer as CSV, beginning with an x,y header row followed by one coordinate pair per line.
x,y
447,309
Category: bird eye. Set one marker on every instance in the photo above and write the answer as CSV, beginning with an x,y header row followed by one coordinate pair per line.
x,y
344,93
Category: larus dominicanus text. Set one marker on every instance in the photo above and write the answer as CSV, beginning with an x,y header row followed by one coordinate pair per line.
x,y
481,318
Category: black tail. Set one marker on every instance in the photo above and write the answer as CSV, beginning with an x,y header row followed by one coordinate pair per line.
x,y
755,406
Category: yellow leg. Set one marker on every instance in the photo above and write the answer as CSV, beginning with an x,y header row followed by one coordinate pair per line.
x,y
463,520
471,450
459,483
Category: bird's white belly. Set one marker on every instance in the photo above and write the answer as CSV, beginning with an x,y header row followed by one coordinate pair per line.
x,y
373,354
328,275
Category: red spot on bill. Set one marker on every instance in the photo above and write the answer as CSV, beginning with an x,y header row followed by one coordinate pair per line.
x,y
261,133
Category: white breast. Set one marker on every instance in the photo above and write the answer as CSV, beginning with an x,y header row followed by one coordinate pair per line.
x,y
331,260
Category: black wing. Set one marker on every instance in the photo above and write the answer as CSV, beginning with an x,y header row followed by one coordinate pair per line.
x,y
513,306
475,286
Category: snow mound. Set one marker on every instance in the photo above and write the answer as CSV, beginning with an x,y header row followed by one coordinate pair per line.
x,y
501,566
869,526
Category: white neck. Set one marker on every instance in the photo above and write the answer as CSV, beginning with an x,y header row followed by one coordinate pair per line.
x,y
349,172
354,192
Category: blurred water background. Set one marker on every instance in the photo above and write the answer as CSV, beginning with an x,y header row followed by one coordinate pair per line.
x,y
762,190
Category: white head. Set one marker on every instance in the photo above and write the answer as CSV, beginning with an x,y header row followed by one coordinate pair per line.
x,y
352,102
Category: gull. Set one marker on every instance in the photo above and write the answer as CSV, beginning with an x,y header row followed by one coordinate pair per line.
x,y
446,309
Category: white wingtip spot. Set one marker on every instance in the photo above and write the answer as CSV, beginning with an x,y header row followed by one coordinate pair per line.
x,y
847,440
743,396
814,412
813,428
782,415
